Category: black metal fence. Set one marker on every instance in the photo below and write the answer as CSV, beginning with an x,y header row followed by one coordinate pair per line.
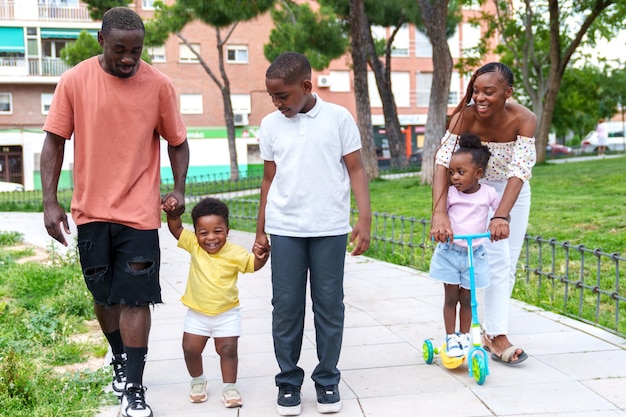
x,y
584,283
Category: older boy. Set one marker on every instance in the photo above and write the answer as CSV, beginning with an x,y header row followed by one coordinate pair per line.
x,y
312,158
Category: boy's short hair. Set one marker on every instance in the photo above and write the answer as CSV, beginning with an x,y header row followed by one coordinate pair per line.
x,y
291,67
121,18
209,207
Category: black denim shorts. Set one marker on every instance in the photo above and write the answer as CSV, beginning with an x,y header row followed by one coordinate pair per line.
x,y
120,264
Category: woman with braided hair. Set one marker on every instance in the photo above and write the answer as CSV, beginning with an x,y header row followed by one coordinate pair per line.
x,y
508,129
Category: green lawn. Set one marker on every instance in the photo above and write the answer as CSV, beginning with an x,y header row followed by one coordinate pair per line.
x,y
580,202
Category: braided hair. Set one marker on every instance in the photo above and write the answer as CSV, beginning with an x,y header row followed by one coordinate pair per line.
x,y
471,144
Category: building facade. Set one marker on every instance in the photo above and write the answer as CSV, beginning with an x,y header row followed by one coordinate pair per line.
x,y
33,32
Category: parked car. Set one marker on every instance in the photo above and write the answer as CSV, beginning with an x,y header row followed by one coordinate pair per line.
x,y
615,142
556,149
415,159
10,186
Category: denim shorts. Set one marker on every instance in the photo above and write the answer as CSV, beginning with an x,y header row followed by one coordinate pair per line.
x,y
450,265
120,264
226,324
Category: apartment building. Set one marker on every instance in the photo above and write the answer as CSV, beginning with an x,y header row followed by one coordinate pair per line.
x,y
33,32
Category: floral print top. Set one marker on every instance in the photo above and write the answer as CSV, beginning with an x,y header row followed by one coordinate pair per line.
x,y
508,159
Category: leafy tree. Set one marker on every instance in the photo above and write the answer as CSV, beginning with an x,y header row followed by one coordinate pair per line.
x,y
539,39
393,14
439,19
223,17
322,37
358,38
97,8
319,36
85,46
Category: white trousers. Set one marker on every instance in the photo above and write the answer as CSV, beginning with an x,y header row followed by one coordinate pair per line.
x,y
503,256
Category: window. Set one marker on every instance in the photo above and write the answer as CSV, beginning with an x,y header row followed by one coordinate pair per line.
x,y
46,100
423,81
340,81
186,55
191,103
423,48
401,88
237,54
51,48
241,103
455,89
157,53
471,39
400,46
454,44
6,103
375,100
147,4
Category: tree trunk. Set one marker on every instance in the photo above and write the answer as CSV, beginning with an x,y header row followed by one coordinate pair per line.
x,y
434,18
359,63
228,110
382,73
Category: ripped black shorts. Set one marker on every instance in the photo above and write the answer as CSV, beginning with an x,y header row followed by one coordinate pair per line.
x,y
120,264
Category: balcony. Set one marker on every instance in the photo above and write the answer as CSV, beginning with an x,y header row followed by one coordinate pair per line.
x,y
43,10
79,13
36,70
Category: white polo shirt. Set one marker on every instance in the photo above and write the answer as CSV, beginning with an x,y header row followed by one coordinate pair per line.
x,y
310,193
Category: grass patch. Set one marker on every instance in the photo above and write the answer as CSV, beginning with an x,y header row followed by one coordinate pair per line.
x,y
44,309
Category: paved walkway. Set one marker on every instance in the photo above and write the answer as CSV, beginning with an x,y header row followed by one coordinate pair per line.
x,y
574,370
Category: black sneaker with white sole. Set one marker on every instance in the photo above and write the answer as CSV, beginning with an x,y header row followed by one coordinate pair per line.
x,y
134,402
118,362
328,399
289,402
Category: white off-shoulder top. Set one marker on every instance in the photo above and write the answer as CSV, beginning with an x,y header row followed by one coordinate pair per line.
x,y
508,159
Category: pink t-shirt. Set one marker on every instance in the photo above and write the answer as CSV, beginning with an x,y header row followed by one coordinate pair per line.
x,y
116,124
469,213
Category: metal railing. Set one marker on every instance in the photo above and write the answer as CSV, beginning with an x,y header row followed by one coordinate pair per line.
x,y
573,280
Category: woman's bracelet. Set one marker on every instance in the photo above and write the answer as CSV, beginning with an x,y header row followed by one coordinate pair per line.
x,y
507,219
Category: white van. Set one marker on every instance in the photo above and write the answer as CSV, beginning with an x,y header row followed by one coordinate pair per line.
x,y
615,141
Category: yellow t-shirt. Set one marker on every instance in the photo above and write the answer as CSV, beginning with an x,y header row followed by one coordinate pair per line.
x,y
212,282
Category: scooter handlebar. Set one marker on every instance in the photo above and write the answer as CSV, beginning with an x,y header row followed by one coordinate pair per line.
x,y
486,234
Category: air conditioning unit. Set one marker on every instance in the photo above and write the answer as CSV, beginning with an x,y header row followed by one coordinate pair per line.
x,y
324,81
241,119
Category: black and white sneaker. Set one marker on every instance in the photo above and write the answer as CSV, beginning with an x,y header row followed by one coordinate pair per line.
x,y
288,403
328,399
134,402
118,362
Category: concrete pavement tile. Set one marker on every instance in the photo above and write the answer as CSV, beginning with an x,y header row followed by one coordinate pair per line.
x,y
565,341
356,316
402,311
404,380
356,336
590,365
166,330
608,413
612,389
164,349
255,343
262,364
377,356
559,397
448,403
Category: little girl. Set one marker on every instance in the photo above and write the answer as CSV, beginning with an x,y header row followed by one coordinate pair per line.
x,y
468,209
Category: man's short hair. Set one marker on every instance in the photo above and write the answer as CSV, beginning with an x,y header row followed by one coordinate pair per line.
x,y
121,18
291,67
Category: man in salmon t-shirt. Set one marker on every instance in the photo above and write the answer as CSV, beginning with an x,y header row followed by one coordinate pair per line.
x,y
116,108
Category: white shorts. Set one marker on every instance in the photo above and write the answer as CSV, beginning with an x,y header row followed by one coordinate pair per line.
x,y
227,324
